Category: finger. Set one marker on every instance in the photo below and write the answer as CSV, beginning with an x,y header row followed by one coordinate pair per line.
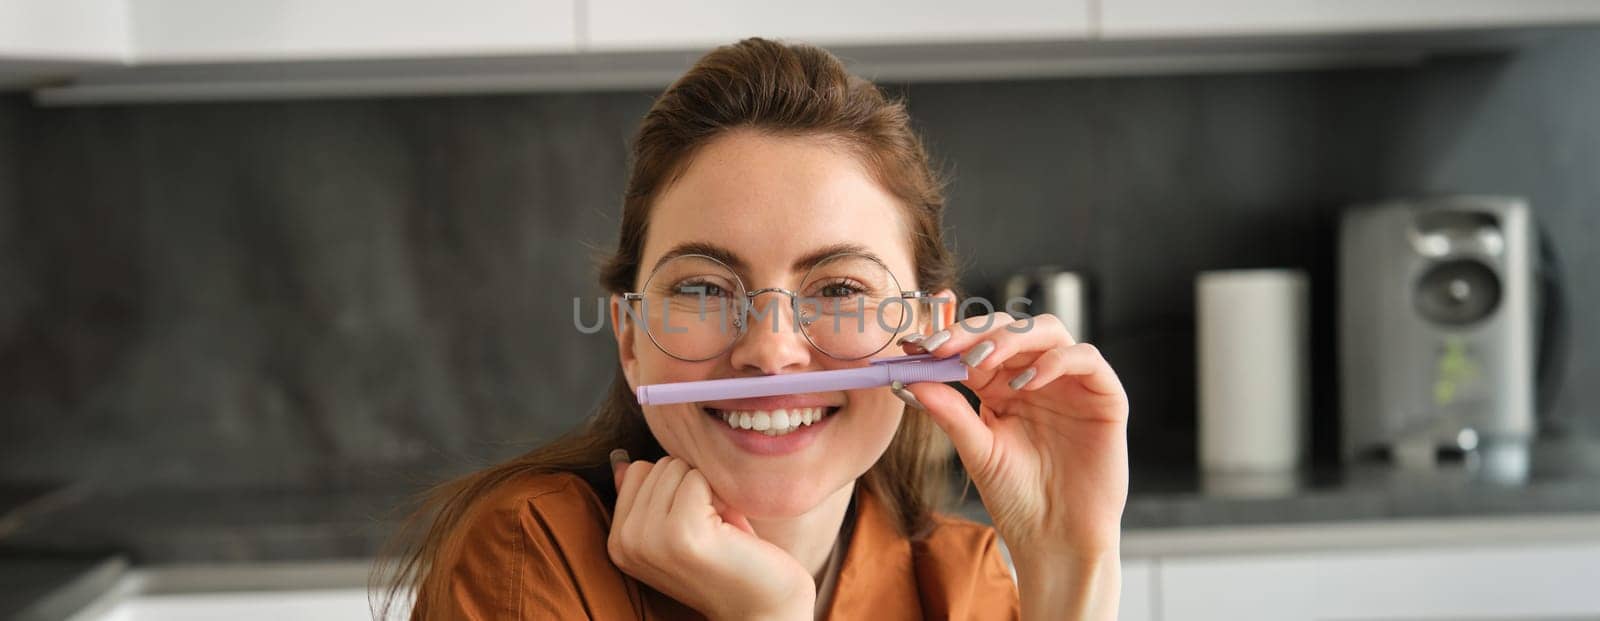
x,y
963,334
633,477
736,519
948,408
648,489
695,501
1000,345
619,465
642,521
981,381
693,493
672,471
1083,361
728,514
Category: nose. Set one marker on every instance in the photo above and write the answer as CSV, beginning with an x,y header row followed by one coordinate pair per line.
x,y
767,349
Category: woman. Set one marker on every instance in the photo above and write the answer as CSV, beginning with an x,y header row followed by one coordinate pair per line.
x,y
768,174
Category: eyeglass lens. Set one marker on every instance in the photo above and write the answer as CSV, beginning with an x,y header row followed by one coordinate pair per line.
x,y
848,307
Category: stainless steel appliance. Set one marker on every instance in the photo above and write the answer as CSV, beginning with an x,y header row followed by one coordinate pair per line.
x,y
1438,316
1048,289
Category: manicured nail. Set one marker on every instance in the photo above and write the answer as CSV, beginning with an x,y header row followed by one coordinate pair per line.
x,y
977,354
618,456
1023,377
900,391
912,338
936,339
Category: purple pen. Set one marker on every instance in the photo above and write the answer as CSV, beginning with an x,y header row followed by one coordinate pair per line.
x,y
906,369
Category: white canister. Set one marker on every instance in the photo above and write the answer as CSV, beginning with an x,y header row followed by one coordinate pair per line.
x,y
1253,369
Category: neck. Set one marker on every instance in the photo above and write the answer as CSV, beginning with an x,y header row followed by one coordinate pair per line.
x,y
810,536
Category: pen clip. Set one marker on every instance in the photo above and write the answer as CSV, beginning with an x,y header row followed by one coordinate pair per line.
x,y
900,359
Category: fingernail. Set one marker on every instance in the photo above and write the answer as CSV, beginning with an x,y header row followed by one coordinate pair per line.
x,y
900,391
977,354
912,339
1023,377
618,456
936,339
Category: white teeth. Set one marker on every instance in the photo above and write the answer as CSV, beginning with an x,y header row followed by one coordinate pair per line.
x,y
774,422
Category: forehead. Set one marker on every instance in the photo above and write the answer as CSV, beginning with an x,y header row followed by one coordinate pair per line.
x,y
772,203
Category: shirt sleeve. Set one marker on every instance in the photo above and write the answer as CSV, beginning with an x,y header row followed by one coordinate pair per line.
x,y
964,576
542,556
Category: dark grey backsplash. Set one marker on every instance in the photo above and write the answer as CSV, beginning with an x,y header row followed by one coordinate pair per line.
x,y
332,293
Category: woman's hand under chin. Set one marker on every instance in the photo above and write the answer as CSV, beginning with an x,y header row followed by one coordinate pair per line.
x,y
1047,452
670,532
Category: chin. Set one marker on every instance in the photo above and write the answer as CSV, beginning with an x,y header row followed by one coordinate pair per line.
x,y
777,497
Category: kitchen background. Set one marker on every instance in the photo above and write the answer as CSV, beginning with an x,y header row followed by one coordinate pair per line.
x,y
293,313
329,293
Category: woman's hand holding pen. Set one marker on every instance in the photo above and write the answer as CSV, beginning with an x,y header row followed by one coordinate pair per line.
x,y
1047,451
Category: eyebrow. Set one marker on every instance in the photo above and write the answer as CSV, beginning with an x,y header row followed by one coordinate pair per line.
x,y
804,263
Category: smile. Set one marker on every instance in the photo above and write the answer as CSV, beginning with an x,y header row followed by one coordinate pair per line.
x,y
773,422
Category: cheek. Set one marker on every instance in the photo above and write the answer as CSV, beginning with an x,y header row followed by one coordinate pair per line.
x,y
681,433
674,427
865,434
677,427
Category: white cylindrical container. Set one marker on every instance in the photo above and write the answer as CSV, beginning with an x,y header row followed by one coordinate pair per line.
x,y
1252,364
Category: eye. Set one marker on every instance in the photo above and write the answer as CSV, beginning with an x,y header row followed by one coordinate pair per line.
x,y
840,289
701,287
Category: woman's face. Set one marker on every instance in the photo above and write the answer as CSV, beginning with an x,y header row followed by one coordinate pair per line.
x,y
769,202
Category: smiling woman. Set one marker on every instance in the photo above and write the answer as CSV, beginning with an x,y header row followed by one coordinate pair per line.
x,y
769,184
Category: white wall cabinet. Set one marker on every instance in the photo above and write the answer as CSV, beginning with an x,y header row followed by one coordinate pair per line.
x,y
1551,580
614,25
171,50
1133,19
1138,590
42,39
178,31
63,30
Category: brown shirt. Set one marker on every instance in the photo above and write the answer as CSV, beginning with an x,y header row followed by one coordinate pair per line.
x,y
537,550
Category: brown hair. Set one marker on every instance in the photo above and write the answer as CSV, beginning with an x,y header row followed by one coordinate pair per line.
x,y
755,84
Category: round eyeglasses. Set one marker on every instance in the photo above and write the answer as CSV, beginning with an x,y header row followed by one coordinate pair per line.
x,y
849,306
